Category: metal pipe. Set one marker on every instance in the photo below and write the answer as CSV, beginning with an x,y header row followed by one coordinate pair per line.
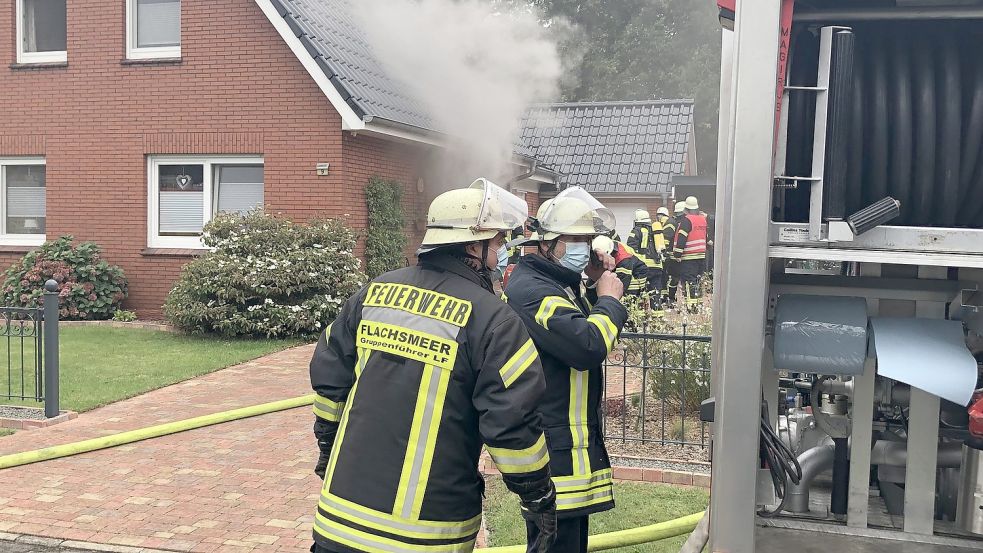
x,y
814,462
893,453
850,15
527,174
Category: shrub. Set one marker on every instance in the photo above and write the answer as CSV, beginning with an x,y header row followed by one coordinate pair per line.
x,y
124,316
385,242
89,288
266,276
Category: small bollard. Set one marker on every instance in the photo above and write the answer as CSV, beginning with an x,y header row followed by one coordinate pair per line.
x,y
50,337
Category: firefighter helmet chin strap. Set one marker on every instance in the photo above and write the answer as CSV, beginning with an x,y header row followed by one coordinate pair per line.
x,y
476,263
550,255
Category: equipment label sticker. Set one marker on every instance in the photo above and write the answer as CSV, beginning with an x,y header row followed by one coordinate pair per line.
x,y
404,342
793,235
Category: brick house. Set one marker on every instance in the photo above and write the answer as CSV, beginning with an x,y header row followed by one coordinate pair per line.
x,y
132,122
629,155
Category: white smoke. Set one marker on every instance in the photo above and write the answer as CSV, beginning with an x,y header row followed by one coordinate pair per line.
x,y
474,66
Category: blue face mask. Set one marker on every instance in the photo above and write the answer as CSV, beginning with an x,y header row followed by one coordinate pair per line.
x,y
503,259
577,256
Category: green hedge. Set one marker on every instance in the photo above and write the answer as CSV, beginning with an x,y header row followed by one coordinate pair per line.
x,y
385,242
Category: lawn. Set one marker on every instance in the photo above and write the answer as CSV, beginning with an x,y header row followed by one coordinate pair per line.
x,y
100,365
638,504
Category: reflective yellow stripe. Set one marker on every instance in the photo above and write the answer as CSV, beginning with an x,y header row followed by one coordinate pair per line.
x,y
565,484
515,461
608,331
422,443
363,358
549,306
370,543
518,363
423,529
327,409
342,427
584,499
578,421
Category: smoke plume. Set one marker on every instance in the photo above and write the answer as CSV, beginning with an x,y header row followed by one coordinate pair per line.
x,y
475,66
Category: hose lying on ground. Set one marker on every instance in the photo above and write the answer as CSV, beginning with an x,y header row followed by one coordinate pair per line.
x,y
66,450
700,536
624,538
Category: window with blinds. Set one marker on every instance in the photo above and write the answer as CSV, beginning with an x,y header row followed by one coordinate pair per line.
x,y
42,31
187,193
154,29
23,212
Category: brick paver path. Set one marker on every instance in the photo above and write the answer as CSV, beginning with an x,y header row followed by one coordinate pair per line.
x,y
240,486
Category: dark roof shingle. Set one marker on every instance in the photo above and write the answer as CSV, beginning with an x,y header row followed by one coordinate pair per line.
x,y
341,49
606,147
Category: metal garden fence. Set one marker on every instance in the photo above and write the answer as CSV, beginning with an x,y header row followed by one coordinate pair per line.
x,y
29,339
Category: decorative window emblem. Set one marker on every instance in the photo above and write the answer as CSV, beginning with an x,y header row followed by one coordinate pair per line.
x,y
183,181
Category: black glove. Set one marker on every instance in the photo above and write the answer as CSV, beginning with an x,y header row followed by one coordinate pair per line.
x,y
542,513
325,433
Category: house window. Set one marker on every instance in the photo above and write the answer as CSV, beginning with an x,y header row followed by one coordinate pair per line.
x,y
22,202
153,29
41,31
185,193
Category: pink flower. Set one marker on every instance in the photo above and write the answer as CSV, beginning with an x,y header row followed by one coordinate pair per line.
x,y
92,297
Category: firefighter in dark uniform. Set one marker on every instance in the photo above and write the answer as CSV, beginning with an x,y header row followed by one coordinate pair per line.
x,y
671,264
422,367
574,332
643,240
630,270
690,249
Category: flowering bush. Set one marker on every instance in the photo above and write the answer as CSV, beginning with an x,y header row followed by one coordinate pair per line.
x,y
89,288
266,276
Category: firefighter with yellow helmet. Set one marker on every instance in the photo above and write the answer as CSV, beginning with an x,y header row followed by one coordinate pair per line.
x,y
574,330
423,367
648,243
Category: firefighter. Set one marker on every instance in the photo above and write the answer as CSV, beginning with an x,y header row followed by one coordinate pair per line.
x,y
630,270
690,249
671,264
642,239
574,332
422,367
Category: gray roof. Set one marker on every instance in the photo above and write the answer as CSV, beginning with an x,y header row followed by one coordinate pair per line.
x,y
332,36
612,147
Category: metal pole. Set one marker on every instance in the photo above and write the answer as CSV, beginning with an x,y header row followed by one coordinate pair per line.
x,y
741,288
51,408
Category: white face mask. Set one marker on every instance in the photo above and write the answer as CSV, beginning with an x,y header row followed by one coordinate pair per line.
x,y
503,259
576,257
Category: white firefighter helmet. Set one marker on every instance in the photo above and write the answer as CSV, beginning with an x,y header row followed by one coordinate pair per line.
x,y
692,204
663,211
603,243
573,212
680,207
642,216
465,215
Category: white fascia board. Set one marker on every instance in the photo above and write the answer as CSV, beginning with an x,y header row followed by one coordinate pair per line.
x,y
350,121
393,132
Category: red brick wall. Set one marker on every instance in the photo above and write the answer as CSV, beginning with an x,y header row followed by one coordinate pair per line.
x,y
366,157
237,90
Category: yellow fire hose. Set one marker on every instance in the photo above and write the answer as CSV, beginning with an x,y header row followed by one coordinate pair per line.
x,y
624,538
94,444
601,542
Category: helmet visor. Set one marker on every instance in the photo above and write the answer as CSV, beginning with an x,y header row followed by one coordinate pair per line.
x,y
500,209
574,211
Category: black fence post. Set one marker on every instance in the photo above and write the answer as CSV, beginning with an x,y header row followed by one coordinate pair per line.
x,y
51,408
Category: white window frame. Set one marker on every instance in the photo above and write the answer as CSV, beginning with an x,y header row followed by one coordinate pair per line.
x,y
33,57
154,239
151,53
17,239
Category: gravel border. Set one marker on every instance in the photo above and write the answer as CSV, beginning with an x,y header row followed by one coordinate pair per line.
x,y
664,464
21,413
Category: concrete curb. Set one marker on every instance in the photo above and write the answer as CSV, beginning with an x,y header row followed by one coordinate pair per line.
x,y
27,539
29,424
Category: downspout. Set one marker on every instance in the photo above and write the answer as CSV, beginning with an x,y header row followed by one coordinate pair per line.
x,y
532,171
